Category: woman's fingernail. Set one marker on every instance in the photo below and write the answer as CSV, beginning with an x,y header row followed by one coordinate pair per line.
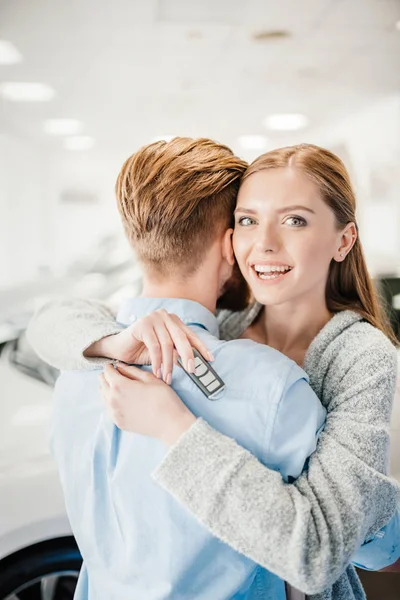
x,y
211,356
159,374
169,379
190,366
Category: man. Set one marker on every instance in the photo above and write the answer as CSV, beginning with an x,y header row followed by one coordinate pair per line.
x,y
176,200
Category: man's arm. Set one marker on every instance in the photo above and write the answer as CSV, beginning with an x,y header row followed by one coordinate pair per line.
x,y
62,330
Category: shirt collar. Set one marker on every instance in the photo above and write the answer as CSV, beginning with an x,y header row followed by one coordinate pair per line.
x,y
190,312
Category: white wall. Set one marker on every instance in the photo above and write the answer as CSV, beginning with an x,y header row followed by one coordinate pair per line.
x,y
369,142
39,233
25,209
79,227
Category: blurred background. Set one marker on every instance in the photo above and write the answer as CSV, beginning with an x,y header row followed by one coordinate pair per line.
x,y
84,83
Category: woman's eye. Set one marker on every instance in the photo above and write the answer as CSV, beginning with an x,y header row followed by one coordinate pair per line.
x,y
296,221
245,221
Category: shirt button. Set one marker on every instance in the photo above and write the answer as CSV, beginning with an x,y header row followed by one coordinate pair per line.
x,y
132,318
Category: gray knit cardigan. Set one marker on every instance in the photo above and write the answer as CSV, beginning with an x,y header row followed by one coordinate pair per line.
x,y
305,532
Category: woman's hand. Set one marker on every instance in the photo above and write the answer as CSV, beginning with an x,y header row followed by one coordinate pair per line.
x,y
157,339
139,402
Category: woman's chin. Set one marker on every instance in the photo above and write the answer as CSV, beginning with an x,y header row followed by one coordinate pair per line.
x,y
272,289
269,297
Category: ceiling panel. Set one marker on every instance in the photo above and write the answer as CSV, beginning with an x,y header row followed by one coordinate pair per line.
x,y
135,68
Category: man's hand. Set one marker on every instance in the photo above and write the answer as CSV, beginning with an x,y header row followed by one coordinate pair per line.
x,y
157,339
139,402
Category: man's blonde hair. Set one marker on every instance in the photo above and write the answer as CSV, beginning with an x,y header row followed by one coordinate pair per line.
x,y
174,197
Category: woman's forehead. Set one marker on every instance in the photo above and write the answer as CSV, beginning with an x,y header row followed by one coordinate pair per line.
x,y
273,188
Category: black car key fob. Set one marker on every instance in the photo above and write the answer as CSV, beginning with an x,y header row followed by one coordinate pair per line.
x,y
206,379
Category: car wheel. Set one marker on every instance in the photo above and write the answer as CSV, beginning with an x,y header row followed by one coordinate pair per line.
x,y
45,571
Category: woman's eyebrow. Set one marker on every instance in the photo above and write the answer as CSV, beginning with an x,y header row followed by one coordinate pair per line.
x,y
295,207
249,211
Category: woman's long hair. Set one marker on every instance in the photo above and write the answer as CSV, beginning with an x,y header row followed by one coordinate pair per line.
x,y
349,285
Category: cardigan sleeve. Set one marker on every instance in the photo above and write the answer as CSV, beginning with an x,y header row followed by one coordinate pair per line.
x,y
305,532
308,531
61,330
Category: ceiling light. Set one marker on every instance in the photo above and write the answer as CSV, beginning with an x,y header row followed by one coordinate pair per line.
x,y
397,25
62,126
266,35
162,138
79,142
286,122
9,55
17,91
253,142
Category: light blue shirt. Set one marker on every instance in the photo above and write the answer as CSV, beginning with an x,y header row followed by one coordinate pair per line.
x,y
136,540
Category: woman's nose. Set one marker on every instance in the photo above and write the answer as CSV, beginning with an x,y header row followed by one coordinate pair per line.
x,y
268,241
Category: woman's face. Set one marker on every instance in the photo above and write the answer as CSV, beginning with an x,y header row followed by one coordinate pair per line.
x,y
285,236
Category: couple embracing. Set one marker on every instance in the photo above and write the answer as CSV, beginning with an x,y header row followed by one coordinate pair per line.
x,y
277,485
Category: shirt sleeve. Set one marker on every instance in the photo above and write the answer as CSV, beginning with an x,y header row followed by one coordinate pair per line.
x,y
382,549
61,330
298,421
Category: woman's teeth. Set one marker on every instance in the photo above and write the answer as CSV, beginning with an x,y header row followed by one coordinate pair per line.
x,y
271,271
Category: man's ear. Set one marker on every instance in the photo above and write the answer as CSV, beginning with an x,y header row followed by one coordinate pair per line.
x,y
227,247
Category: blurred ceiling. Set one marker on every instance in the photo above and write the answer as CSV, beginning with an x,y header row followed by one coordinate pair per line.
x,y
131,70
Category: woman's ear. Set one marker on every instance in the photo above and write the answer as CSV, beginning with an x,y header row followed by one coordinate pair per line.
x,y
227,247
347,240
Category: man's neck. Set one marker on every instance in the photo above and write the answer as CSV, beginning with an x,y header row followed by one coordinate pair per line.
x,y
195,289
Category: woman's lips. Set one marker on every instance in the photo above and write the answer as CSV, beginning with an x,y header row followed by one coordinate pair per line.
x,y
270,273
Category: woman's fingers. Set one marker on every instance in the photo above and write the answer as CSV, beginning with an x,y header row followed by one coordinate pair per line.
x,y
136,374
192,339
199,345
111,376
163,334
181,344
103,381
167,350
103,386
170,337
176,356
152,343
160,346
184,339
105,392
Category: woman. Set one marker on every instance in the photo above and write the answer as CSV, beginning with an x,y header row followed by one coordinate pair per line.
x,y
322,312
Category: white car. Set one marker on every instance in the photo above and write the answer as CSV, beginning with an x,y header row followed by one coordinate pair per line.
x,y
39,559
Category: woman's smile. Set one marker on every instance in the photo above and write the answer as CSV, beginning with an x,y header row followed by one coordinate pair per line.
x,y
269,272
